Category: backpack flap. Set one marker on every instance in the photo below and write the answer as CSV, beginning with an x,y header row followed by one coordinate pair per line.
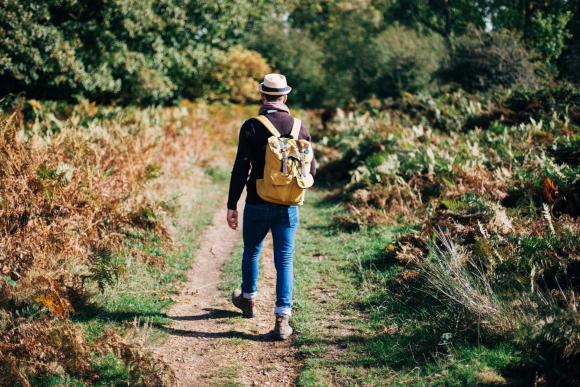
x,y
275,148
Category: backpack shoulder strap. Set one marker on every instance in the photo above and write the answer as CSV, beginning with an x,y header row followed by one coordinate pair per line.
x,y
296,128
266,122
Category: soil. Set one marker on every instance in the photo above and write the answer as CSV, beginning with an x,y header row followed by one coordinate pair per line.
x,y
210,343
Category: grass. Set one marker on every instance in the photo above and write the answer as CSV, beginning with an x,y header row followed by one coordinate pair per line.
x,y
227,375
353,331
232,272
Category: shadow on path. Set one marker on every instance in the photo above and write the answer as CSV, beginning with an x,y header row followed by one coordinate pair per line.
x,y
265,337
213,313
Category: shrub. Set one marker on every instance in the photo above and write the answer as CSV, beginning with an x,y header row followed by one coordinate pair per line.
x,y
238,73
401,60
482,60
563,99
142,82
503,271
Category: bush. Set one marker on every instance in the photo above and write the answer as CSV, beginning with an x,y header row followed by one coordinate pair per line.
x,y
563,98
402,60
238,73
505,272
484,60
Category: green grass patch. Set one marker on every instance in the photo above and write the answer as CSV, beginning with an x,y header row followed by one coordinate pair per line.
x,y
352,329
232,273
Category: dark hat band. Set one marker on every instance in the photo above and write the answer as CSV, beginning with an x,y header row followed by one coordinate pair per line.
x,y
274,89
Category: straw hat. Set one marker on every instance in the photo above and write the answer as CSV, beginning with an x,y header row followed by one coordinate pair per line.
x,y
274,84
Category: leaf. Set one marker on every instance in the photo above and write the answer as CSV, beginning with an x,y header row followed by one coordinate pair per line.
x,y
46,173
9,281
57,306
550,190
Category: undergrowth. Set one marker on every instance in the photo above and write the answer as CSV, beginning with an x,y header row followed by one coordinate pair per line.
x,y
89,246
490,185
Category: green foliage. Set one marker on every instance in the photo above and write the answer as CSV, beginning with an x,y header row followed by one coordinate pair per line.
x,y
561,99
145,216
136,52
494,259
111,370
482,60
447,18
106,268
568,62
333,51
399,60
557,340
152,171
549,33
468,204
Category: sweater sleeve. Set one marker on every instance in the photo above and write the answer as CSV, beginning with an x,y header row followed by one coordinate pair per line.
x,y
305,135
241,167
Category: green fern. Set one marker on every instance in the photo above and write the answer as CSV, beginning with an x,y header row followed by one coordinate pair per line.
x,y
454,205
106,268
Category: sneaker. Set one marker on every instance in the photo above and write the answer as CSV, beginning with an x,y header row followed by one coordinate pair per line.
x,y
247,306
282,329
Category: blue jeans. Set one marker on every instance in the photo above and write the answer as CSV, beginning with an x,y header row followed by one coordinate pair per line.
x,y
283,221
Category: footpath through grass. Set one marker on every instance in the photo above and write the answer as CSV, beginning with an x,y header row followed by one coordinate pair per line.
x,y
135,307
352,330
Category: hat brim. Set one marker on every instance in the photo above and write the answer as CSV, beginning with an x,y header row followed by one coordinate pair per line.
x,y
274,91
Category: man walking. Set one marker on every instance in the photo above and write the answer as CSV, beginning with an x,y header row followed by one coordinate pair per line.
x,y
261,216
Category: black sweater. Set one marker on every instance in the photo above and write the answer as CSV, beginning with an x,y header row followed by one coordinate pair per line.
x,y
250,158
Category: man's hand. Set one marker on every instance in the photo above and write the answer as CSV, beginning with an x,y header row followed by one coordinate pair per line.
x,y
232,219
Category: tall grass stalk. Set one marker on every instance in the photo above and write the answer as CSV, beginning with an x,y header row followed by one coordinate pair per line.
x,y
453,277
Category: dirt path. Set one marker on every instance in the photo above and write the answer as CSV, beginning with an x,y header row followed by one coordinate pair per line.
x,y
209,342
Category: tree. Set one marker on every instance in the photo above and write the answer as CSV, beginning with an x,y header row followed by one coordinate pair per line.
x,y
145,51
400,60
482,60
445,17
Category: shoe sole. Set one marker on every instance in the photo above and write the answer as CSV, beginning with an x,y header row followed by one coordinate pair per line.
x,y
282,337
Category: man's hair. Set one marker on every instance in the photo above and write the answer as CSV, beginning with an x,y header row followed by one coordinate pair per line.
x,y
273,98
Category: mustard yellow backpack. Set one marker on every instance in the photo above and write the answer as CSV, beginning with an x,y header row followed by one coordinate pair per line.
x,y
287,167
